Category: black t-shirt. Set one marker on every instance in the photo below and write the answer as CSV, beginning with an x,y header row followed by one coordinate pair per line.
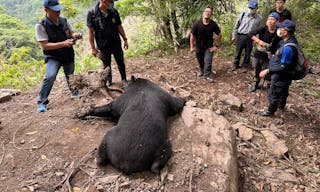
x,y
266,36
204,33
284,15
105,26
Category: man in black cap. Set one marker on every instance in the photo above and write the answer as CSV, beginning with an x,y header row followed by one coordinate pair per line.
x,y
56,39
104,26
267,42
280,65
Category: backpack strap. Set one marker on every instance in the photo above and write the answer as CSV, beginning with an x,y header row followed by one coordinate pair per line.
x,y
292,44
240,21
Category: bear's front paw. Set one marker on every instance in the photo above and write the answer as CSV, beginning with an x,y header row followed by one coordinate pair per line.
x,y
82,112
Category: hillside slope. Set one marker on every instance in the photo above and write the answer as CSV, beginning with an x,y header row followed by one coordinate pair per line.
x,y
37,148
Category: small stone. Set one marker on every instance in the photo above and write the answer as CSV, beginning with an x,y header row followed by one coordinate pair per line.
x,y
100,188
170,177
22,141
59,174
31,188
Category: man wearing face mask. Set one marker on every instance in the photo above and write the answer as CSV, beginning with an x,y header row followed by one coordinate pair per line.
x,y
104,26
283,62
246,23
283,12
267,42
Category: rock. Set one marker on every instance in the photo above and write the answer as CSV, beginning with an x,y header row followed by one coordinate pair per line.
x,y
191,104
6,94
231,100
275,145
245,133
4,97
280,175
212,142
59,174
170,177
100,188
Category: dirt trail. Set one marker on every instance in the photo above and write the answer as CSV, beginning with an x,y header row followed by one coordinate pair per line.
x,y
37,149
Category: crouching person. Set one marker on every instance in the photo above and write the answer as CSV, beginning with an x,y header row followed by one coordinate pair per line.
x,y
280,65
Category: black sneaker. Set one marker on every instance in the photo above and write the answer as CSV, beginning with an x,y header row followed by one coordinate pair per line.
x,y
266,113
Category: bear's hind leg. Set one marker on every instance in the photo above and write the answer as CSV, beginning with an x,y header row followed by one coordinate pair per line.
x,y
102,157
161,156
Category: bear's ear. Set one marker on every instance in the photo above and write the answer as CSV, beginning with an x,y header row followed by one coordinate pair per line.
x,y
133,78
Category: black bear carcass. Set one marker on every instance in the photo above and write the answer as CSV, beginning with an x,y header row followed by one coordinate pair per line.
x,y
140,140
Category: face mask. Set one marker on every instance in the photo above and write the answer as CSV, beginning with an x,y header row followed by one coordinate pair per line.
x,y
251,11
279,32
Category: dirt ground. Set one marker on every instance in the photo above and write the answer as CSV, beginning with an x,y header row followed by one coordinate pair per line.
x,y
52,151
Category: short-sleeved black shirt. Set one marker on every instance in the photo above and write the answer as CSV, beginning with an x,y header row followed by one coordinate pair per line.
x,y
284,15
204,33
105,26
266,36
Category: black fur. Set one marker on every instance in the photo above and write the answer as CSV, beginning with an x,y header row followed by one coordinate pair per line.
x,y
139,141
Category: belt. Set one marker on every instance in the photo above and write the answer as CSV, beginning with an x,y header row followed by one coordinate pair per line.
x,y
242,34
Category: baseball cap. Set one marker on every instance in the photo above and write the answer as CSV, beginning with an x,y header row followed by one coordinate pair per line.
x,y
52,4
288,25
274,15
253,4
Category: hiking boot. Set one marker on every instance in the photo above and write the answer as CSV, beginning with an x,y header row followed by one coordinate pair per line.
x,y
75,94
209,80
266,113
41,108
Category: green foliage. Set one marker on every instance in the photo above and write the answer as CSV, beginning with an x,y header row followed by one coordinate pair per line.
x,y
2,11
26,11
21,72
14,34
133,8
142,37
87,62
69,10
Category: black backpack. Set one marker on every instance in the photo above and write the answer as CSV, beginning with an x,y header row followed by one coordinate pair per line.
x,y
301,68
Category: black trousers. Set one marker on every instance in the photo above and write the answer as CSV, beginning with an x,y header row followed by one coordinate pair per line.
x,y
244,42
278,94
204,57
117,52
258,65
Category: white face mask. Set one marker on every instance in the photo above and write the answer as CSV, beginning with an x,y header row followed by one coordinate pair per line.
x,y
251,11
279,32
